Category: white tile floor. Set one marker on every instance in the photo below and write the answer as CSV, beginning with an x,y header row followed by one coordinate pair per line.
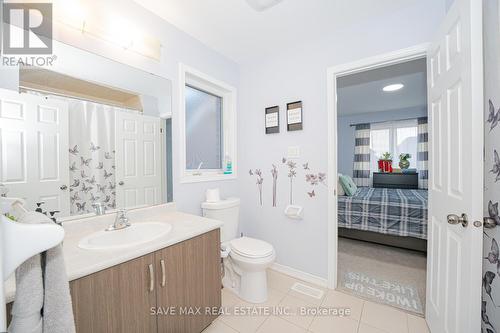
x,y
366,317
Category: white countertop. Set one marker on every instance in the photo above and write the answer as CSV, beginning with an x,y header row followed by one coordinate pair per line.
x,y
81,262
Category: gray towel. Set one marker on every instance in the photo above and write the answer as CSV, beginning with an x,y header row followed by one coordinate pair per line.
x,y
26,312
57,307
42,285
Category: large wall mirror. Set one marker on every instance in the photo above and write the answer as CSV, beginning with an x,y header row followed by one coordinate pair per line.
x,y
76,142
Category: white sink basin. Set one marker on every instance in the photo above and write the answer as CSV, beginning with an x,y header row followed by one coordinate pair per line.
x,y
136,234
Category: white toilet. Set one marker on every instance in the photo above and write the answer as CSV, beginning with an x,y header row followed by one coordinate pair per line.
x,y
245,259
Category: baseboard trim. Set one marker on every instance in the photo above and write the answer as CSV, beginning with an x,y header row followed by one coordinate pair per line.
x,y
295,273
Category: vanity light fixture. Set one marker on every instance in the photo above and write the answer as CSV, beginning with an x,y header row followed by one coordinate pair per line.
x,y
393,87
115,29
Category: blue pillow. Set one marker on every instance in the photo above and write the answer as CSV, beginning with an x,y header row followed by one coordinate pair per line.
x,y
348,185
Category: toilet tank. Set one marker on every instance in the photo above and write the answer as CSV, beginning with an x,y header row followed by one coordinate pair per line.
x,y
226,211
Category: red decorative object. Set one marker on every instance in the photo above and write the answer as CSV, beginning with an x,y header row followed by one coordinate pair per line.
x,y
385,166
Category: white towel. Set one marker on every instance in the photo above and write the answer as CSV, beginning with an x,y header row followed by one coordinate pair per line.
x,y
49,291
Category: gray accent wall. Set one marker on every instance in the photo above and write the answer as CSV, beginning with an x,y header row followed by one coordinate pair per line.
x,y
346,132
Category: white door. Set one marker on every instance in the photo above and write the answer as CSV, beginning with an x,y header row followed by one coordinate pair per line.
x,y
455,81
34,150
138,162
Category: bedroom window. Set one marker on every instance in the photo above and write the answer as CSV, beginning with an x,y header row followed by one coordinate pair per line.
x,y
395,137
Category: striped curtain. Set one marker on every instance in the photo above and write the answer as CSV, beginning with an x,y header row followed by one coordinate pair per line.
x,y
361,169
423,153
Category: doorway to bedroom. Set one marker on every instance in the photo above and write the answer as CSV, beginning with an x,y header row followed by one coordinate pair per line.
x,y
382,166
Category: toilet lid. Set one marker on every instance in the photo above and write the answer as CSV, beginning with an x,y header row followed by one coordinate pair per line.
x,y
250,247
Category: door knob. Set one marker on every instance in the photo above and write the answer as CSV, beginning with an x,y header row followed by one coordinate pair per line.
x,y
489,223
455,219
121,183
63,187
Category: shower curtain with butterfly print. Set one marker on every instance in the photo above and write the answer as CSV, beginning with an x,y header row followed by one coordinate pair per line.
x,y
91,153
490,311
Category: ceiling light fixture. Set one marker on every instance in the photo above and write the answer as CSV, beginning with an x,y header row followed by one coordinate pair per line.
x,y
393,87
261,5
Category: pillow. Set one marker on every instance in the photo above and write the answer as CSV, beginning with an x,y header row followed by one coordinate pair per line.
x,y
340,189
348,184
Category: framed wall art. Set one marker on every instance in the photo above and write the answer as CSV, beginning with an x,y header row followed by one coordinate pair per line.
x,y
294,116
273,120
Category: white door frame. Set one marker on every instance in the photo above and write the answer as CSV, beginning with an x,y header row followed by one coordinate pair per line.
x,y
391,58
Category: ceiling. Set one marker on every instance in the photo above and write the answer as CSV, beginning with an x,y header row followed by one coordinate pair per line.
x,y
362,92
236,30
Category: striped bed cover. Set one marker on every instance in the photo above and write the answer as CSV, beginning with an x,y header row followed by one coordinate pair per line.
x,y
395,212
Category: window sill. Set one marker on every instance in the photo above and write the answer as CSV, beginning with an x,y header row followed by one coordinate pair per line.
x,y
187,179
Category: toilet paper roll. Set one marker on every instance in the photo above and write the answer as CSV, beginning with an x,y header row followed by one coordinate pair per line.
x,y
213,195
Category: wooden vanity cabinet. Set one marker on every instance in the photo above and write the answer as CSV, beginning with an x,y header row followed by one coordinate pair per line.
x,y
117,299
192,283
184,276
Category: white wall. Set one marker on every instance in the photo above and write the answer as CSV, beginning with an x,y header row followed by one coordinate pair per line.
x,y
177,47
301,75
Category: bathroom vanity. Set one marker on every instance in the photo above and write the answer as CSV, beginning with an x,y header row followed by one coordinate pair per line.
x,y
169,284
147,294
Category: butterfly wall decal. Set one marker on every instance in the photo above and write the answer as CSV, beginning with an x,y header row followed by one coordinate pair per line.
x,y
73,167
493,255
81,206
493,211
86,189
108,156
84,161
93,147
74,197
100,166
484,316
83,174
74,151
101,188
107,175
91,180
494,116
306,166
93,197
496,166
311,194
76,183
487,281
112,186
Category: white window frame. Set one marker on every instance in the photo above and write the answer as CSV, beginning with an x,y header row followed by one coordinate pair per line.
x,y
392,126
197,79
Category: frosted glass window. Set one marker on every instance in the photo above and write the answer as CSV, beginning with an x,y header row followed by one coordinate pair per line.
x,y
395,137
203,130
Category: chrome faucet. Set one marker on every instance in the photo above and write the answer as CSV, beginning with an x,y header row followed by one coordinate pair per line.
x,y
99,208
121,221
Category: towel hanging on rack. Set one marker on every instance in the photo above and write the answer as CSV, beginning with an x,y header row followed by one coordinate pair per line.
x,y
53,295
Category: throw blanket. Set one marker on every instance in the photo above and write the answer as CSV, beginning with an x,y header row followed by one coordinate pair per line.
x,y
388,211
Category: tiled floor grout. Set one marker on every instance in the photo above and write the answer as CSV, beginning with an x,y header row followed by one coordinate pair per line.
x,y
281,295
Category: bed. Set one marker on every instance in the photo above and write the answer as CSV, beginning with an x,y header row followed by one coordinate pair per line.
x,y
396,217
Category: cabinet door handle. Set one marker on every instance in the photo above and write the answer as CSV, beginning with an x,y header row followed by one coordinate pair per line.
x,y
151,278
163,274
